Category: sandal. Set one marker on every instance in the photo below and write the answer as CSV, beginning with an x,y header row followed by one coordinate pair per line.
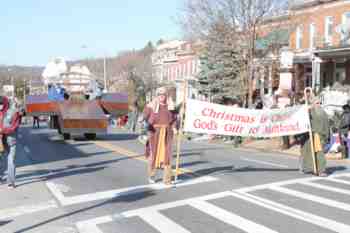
x,y
323,174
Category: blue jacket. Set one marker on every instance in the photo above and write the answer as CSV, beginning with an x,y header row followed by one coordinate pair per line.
x,y
55,95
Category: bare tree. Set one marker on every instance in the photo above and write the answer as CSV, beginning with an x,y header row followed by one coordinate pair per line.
x,y
241,19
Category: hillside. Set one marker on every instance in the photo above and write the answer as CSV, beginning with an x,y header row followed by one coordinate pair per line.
x,y
19,73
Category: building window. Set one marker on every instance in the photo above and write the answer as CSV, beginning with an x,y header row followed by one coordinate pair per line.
x,y
193,67
184,69
299,37
188,68
328,30
345,27
312,36
180,70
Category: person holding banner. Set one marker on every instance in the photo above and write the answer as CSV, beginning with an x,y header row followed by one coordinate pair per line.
x,y
161,120
320,132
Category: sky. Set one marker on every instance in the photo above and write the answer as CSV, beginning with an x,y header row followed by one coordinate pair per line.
x,y
36,31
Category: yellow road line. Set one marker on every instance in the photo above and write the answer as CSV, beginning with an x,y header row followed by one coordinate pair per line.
x,y
133,155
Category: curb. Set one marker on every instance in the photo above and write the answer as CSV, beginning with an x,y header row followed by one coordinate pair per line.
x,y
269,151
347,161
248,148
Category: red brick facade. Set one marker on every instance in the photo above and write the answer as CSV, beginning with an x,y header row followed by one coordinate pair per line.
x,y
317,15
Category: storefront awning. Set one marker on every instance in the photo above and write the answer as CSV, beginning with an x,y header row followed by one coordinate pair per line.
x,y
343,52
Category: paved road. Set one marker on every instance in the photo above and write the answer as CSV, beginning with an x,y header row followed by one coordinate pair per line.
x,y
100,187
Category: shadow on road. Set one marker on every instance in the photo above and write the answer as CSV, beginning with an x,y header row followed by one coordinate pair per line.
x,y
201,150
333,169
49,174
129,198
189,164
257,169
54,175
117,137
3,223
231,169
57,149
44,149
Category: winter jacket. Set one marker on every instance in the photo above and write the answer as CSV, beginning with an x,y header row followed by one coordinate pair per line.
x,y
345,122
9,117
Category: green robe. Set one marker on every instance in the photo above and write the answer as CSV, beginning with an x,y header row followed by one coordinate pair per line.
x,y
320,125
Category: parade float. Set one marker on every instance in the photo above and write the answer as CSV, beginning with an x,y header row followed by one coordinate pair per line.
x,y
74,101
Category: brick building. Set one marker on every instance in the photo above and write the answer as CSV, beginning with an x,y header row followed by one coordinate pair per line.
x,y
273,36
175,61
321,43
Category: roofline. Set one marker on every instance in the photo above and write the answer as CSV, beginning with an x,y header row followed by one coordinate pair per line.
x,y
274,18
342,51
301,6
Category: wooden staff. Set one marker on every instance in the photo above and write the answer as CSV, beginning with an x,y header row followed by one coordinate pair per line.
x,y
310,131
180,132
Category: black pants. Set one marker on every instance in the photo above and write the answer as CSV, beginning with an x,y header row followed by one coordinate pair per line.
x,y
36,122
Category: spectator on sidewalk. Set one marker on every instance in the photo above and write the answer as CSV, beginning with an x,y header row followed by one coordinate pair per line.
x,y
9,122
259,105
36,122
133,116
344,127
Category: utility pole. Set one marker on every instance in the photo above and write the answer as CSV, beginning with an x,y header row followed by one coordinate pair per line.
x,y
24,92
13,86
104,73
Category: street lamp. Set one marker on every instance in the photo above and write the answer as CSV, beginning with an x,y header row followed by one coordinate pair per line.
x,y
104,73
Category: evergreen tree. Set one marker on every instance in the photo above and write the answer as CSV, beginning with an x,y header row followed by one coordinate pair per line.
x,y
221,65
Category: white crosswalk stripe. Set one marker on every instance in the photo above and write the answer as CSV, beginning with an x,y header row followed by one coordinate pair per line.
x,y
339,181
230,218
161,222
155,218
328,188
26,209
310,197
110,194
91,226
295,213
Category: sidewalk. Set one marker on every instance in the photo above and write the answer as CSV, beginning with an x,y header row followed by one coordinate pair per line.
x,y
271,145
274,145
263,145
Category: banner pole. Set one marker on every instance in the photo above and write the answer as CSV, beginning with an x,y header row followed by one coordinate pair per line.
x,y
310,132
180,132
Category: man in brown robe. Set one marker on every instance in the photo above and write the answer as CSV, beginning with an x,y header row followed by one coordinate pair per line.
x,y
161,118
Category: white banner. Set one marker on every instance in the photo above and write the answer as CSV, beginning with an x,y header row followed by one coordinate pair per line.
x,y
207,118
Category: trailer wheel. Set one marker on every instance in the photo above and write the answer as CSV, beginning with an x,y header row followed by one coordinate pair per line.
x,y
90,136
66,136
